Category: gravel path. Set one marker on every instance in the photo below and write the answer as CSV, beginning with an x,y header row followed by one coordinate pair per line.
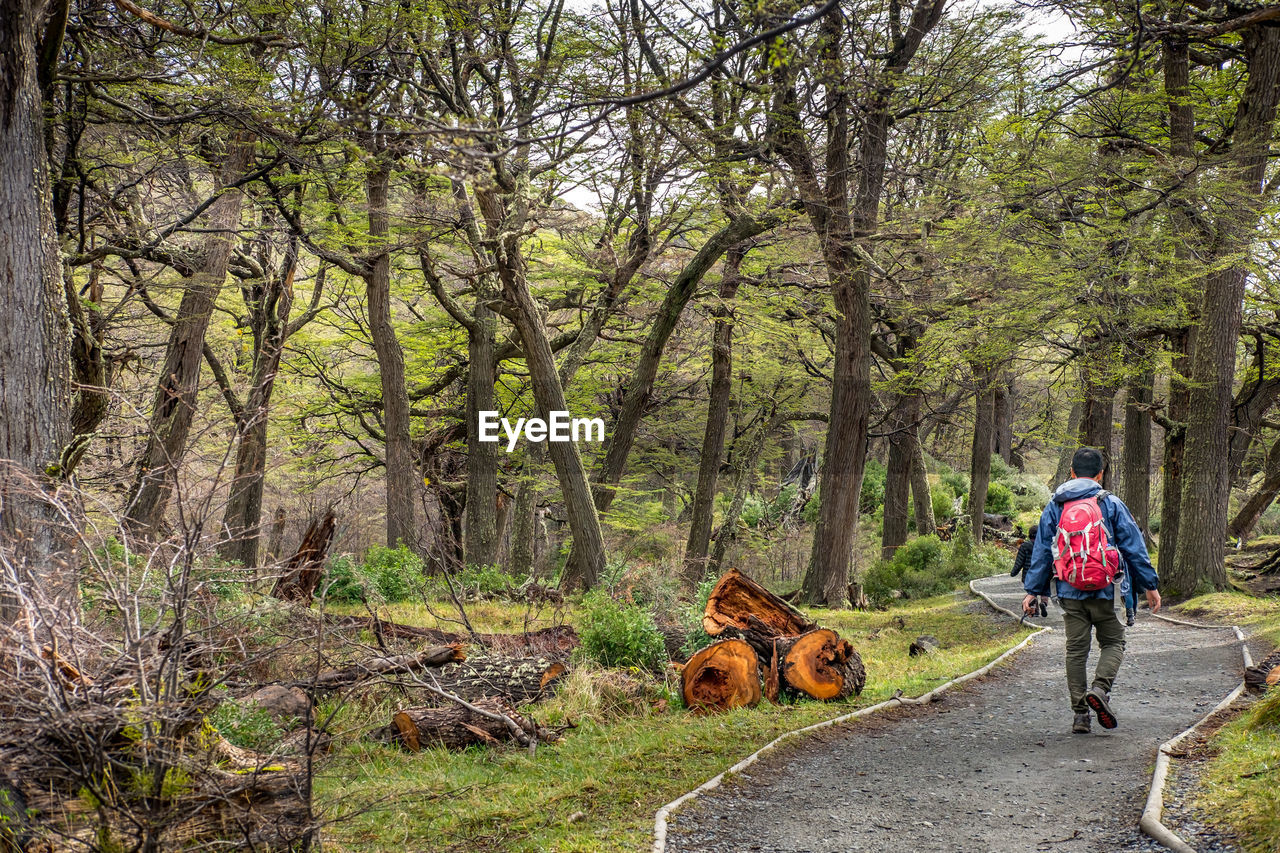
x,y
992,767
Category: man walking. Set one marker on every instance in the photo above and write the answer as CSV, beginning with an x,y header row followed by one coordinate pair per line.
x,y
1080,533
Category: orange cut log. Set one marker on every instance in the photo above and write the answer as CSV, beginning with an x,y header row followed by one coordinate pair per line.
x,y
740,606
724,675
822,665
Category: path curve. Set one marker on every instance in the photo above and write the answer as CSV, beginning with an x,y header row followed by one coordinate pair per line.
x,y
992,767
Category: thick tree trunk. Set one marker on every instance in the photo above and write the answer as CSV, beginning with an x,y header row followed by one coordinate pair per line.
x,y
1003,401
698,546
401,478
740,607
179,385
926,524
302,574
1069,446
1256,504
1136,456
980,457
34,358
1205,488
481,545
897,485
584,522
1097,424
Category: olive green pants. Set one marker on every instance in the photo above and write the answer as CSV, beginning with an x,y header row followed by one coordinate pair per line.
x,y
1081,617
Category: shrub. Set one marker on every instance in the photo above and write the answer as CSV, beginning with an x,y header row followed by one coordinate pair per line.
x,y
943,503
696,636
810,512
955,481
246,726
475,582
999,498
616,634
917,570
343,583
396,573
873,480
753,511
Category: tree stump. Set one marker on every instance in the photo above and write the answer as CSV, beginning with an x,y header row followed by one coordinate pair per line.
x,y
820,664
724,675
302,573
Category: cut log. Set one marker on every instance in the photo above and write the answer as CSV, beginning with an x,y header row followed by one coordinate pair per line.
x,y
821,664
337,679
457,727
724,675
302,573
740,606
517,680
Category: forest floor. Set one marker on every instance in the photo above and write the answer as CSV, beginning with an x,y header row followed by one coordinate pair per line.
x,y
992,767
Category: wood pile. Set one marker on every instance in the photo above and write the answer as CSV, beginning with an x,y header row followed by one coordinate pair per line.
x,y
765,639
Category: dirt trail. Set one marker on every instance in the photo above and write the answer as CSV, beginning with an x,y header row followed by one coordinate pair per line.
x,y
992,767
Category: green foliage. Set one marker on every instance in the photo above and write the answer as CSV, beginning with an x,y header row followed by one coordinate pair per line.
x,y
943,500
344,582
475,582
810,512
753,511
245,725
696,636
396,573
955,481
999,498
873,479
620,635
926,567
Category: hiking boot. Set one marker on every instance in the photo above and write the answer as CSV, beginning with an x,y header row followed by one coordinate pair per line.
x,y
1082,724
1128,618
1097,699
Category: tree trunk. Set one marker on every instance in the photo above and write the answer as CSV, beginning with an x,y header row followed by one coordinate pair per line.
x,y
34,380
1136,456
740,607
1069,446
382,666
481,544
524,513
179,384
1256,504
276,542
744,470
897,484
243,515
980,457
584,523
1205,488
401,478
1003,402
637,394
926,524
1180,344
517,680
723,676
1097,424
698,546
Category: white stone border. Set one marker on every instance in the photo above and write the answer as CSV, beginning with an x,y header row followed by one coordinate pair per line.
x,y
1154,808
660,820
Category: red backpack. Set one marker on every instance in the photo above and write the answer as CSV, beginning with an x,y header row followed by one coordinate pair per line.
x,y
1082,553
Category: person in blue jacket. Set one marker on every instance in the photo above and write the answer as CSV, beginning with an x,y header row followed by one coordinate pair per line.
x,y
1084,613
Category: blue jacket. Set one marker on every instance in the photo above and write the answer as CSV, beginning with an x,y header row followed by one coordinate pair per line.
x,y
1122,532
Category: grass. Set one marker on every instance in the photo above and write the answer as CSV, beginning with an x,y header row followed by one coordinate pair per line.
x,y
633,751
1240,788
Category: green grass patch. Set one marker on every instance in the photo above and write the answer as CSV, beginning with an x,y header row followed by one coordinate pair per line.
x,y
597,790
1241,784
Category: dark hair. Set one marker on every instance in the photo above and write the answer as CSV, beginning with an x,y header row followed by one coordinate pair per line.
x,y
1088,462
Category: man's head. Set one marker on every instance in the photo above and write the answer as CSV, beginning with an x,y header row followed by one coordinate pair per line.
x,y
1088,462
